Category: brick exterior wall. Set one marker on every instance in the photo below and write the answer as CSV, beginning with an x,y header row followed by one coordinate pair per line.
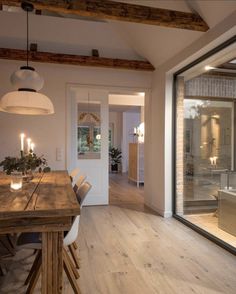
x,y
180,146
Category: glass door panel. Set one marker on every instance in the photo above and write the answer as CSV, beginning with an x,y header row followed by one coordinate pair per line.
x,y
207,152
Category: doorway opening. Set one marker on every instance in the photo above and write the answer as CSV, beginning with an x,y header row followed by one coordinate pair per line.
x,y
92,131
126,149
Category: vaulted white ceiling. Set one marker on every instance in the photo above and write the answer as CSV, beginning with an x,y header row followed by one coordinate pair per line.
x,y
113,38
158,44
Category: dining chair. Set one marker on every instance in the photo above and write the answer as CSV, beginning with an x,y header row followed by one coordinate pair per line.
x,y
76,186
79,182
7,250
7,242
33,241
81,193
73,174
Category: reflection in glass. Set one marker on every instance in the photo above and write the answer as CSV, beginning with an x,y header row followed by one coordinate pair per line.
x,y
89,130
207,152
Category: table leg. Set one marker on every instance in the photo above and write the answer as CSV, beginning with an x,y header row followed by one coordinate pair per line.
x,y
52,263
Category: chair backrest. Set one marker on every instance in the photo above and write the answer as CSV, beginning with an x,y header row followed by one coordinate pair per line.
x,y
79,182
72,234
74,173
82,192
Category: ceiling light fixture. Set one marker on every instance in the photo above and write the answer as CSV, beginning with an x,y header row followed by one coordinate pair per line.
x,y
208,67
26,81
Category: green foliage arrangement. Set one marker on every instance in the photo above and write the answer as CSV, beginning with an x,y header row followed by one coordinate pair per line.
x,y
115,155
25,163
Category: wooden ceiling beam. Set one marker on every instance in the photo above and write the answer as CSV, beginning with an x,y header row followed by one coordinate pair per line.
x,y
46,57
120,11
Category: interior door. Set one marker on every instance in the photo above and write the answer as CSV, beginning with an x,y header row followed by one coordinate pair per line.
x,y
88,146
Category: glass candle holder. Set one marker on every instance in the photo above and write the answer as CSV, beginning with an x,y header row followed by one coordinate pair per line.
x,y
16,181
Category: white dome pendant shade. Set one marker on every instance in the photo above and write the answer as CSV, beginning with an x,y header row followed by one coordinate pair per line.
x,y
26,102
27,81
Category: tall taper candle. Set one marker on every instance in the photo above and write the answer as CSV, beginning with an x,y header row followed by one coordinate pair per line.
x,y
29,144
22,136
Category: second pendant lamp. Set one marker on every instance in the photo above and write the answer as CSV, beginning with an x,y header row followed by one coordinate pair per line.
x,y
27,82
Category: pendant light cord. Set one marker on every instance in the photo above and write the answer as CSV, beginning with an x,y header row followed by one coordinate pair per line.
x,y
88,103
27,46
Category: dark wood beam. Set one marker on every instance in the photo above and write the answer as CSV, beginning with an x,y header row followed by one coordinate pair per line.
x,y
46,57
106,9
228,65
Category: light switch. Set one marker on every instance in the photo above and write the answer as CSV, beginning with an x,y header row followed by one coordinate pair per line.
x,y
59,154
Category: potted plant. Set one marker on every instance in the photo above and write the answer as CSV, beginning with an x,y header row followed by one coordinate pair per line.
x,y
115,158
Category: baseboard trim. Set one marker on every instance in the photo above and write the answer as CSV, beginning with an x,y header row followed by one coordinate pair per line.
x,y
161,212
94,200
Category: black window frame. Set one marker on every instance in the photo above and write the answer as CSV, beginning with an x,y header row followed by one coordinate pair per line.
x,y
204,233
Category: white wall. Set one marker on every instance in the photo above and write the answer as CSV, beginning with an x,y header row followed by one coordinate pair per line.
x,y
158,136
125,99
130,120
49,132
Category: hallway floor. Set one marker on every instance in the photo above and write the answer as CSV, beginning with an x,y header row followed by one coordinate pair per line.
x,y
126,249
123,193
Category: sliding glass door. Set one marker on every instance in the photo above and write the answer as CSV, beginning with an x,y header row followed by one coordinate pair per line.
x,y
205,153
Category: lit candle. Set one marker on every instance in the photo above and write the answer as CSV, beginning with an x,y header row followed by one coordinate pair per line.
x,y
32,145
212,160
22,136
29,144
215,158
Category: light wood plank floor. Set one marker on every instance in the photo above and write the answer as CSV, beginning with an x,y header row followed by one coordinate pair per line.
x,y
126,194
130,251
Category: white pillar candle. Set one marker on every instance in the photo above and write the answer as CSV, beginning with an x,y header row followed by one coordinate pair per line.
x,y
212,160
215,158
29,144
22,136
135,131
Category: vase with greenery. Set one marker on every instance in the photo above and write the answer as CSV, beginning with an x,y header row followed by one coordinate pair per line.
x,y
115,155
26,164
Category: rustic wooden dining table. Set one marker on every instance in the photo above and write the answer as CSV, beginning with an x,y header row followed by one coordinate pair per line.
x,y
46,204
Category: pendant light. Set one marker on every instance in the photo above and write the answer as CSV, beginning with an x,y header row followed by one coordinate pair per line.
x,y
27,82
89,118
